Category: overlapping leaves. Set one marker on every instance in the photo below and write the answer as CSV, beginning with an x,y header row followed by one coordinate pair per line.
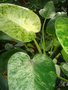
x,y
27,74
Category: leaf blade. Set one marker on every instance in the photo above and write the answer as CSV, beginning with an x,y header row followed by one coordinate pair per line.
x,y
26,74
48,11
61,26
21,24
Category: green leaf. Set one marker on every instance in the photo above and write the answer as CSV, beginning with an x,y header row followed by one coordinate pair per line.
x,y
61,26
65,55
45,72
26,74
50,29
3,36
64,67
48,11
3,83
19,22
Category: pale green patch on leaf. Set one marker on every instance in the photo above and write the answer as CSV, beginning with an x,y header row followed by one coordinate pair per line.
x,y
61,26
57,69
26,74
48,11
19,22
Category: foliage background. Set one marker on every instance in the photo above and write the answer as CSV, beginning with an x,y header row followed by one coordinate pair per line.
x,y
7,44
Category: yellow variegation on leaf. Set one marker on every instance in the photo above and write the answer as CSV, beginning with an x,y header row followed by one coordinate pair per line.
x,y
19,22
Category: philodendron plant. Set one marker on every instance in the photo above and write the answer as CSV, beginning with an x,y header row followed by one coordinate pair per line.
x,y
22,24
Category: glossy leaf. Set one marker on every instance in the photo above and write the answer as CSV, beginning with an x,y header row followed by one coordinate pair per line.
x,y
45,72
48,11
65,55
64,67
19,22
61,27
27,74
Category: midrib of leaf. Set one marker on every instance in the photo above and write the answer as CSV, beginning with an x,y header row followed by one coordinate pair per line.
x,y
18,22
21,23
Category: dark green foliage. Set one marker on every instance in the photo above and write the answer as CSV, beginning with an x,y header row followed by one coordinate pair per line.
x,y
4,59
4,1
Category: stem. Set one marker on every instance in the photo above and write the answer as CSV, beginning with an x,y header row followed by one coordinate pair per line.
x,y
43,39
62,78
37,46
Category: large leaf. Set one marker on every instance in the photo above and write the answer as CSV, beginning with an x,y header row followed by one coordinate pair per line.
x,y
27,74
18,22
61,26
48,11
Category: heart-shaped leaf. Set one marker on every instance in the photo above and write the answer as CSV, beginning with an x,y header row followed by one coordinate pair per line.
x,y
27,74
48,11
18,22
61,26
